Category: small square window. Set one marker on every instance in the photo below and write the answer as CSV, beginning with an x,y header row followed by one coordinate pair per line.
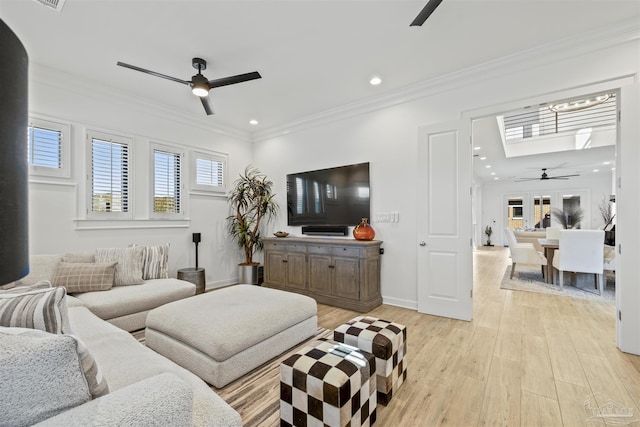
x,y
48,148
209,172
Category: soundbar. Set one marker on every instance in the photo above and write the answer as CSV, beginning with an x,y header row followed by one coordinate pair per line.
x,y
326,230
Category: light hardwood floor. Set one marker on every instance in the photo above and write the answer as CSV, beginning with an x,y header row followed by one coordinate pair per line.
x,y
526,359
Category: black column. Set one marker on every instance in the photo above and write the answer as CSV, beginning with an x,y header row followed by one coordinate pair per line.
x,y
14,219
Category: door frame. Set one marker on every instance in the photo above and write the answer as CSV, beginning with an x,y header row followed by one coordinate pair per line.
x,y
627,156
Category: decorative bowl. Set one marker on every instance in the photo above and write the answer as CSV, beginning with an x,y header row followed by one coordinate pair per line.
x,y
281,234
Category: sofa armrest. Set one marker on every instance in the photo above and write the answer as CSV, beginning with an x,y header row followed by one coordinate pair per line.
x,y
162,400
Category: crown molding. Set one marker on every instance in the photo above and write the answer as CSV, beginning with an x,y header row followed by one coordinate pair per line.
x,y
46,75
624,32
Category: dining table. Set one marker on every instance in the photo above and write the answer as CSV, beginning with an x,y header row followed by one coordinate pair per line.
x,y
549,246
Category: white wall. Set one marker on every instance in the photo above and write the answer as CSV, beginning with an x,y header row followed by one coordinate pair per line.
x,y
387,138
54,207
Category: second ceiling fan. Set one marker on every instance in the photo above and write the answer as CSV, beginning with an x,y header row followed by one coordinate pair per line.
x,y
199,84
546,176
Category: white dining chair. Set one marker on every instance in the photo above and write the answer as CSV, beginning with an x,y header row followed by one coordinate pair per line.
x,y
581,251
609,258
523,253
553,233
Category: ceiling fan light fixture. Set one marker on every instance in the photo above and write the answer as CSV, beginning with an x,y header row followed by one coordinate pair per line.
x,y
200,90
579,104
200,85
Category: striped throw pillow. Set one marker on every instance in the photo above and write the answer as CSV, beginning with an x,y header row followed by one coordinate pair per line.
x,y
97,383
44,309
84,277
129,267
155,262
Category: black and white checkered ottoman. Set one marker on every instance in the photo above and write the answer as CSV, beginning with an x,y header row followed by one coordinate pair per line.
x,y
328,384
388,343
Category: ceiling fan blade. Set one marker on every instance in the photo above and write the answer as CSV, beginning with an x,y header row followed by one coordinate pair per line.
x,y
425,13
528,179
153,73
206,103
563,176
231,80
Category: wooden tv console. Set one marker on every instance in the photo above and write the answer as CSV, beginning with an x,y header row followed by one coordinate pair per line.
x,y
338,272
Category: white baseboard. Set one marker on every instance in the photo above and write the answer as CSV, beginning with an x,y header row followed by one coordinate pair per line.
x,y
220,283
399,302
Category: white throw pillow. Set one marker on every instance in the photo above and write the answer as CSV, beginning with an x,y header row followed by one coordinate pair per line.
x,y
41,375
129,267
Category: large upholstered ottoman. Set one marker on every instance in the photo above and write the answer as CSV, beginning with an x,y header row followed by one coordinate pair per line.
x,y
388,343
222,335
328,384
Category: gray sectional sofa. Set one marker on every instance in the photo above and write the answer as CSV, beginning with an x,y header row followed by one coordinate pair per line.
x,y
145,388
124,306
135,374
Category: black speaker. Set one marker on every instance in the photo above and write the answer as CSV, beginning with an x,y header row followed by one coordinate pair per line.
x,y
326,230
14,249
196,238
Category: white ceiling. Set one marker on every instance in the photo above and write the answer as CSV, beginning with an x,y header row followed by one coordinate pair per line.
x,y
313,55
486,137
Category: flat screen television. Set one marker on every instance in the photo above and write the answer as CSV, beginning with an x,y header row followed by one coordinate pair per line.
x,y
334,196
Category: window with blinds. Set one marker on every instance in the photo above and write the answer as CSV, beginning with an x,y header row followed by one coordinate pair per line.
x,y
109,174
209,172
47,148
166,181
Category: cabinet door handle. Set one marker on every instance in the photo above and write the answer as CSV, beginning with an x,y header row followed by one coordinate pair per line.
x,y
332,266
284,260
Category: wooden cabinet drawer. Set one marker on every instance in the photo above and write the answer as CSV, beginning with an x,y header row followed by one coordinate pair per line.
x,y
345,251
285,247
274,246
296,247
321,250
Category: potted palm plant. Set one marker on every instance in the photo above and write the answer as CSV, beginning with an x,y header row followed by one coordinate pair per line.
x,y
570,217
252,205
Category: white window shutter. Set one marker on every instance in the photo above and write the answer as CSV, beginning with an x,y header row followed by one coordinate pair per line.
x,y
166,182
109,176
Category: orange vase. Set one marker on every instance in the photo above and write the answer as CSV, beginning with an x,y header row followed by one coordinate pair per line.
x,y
364,231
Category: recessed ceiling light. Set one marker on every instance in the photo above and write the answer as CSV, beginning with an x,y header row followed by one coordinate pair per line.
x,y
483,158
253,122
596,170
487,166
493,173
495,178
477,148
375,81
606,163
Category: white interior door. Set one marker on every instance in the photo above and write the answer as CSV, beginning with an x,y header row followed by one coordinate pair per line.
x,y
445,263
628,206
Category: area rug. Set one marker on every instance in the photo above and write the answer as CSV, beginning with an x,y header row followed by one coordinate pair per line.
x,y
256,396
581,286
